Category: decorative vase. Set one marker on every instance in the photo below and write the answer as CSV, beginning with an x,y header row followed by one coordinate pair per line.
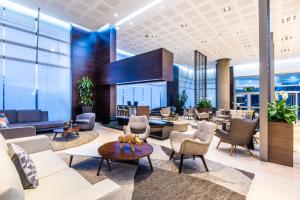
x,y
87,109
280,143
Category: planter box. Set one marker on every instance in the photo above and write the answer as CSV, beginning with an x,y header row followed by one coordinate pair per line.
x,y
201,110
280,148
87,109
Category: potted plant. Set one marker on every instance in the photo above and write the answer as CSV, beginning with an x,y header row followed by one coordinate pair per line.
x,y
85,89
280,131
181,101
204,105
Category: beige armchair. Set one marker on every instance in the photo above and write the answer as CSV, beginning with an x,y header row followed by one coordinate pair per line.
x,y
188,113
138,125
202,116
165,112
195,142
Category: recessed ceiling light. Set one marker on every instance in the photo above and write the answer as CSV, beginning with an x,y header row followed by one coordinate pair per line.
x,y
246,45
227,9
177,49
132,44
130,23
203,41
116,15
183,25
240,32
151,36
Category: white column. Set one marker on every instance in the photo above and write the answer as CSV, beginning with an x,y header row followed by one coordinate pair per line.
x,y
266,69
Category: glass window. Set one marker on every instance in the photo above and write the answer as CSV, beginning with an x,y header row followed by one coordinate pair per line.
x,y
54,59
20,52
54,92
54,45
19,85
255,100
14,36
1,83
19,19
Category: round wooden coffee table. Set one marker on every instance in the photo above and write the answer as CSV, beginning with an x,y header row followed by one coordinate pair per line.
x,y
67,132
112,151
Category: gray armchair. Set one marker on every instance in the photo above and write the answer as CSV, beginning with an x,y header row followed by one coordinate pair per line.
x,y
240,134
86,121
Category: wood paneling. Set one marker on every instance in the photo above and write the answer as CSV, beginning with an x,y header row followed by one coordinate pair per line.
x,y
155,65
91,51
280,140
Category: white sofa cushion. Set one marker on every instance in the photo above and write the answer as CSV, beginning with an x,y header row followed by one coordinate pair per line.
x,y
58,186
47,163
10,183
3,145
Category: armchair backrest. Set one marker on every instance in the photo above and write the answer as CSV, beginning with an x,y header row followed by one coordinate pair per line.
x,y
165,110
205,131
241,131
138,122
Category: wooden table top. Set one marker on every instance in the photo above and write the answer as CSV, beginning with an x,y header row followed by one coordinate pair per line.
x,y
112,150
69,130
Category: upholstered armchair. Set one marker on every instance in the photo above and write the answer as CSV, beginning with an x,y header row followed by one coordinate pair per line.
x,y
86,121
240,134
193,142
188,113
202,116
165,112
138,125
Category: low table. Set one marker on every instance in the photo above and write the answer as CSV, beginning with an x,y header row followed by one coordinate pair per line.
x,y
112,151
67,132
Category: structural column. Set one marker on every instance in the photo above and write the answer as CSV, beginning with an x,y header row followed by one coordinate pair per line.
x,y
266,73
223,83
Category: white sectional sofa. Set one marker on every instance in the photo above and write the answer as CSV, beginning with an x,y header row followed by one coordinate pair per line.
x,y
56,180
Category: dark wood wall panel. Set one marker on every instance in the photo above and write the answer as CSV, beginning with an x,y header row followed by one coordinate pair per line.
x,y
173,88
155,65
91,51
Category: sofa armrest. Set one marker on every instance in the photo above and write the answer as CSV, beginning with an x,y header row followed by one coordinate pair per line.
x,y
103,190
45,116
33,144
18,132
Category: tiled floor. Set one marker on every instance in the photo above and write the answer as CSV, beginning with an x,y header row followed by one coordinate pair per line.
x,y
271,181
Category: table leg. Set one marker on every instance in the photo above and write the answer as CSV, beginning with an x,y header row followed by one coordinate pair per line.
x,y
70,162
77,133
55,135
68,137
150,163
108,164
100,165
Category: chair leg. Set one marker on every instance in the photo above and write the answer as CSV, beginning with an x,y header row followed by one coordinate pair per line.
x,y
250,152
231,150
181,161
204,163
194,157
219,143
172,154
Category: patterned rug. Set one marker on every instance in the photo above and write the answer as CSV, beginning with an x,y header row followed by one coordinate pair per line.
x,y
164,183
60,143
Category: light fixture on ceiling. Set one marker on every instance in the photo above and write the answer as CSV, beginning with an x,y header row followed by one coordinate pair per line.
x,y
227,9
151,36
130,23
203,41
246,45
132,44
284,50
284,38
116,15
240,32
183,25
177,49
252,55
138,12
288,19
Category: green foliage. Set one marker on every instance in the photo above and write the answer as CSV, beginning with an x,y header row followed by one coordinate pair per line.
x,y
204,103
180,102
85,87
279,111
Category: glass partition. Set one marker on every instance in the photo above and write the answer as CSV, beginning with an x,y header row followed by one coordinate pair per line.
x,y
152,94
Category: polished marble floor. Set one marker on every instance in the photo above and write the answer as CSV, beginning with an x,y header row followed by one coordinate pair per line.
x,y
271,181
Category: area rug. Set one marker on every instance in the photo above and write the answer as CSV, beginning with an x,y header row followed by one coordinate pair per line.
x,y
60,143
194,183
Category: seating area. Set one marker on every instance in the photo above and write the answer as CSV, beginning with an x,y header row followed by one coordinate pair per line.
x,y
149,100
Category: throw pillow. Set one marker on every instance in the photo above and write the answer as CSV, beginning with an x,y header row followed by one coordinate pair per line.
x,y
3,123
24,165
3,115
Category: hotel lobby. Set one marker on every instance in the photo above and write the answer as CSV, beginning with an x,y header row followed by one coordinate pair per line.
x,y
149,99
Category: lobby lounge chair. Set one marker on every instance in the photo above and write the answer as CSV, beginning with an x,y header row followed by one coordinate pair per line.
x,y
165,112
188,113
240,134
195,143
138,125
86,121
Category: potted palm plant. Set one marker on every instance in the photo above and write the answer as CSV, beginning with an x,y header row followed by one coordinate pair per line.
x,y
85,89
204,105
281,130
181,101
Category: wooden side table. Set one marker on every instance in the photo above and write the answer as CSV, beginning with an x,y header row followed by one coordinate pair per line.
x,y
67,132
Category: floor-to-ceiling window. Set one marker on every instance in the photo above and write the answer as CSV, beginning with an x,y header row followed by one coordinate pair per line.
x,y
186,82
34,62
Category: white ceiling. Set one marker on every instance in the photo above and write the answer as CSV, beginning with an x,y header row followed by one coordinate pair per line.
x,y
210,30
